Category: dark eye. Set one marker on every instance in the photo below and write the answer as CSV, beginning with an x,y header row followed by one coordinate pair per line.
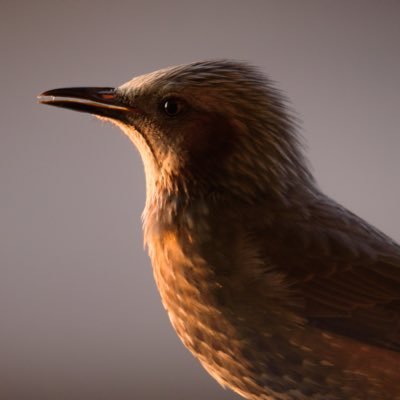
x,y
172,106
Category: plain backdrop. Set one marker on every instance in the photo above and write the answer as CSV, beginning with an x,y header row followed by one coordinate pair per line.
x,y
80,316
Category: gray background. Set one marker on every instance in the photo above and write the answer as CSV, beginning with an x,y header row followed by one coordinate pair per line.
x,y
80,317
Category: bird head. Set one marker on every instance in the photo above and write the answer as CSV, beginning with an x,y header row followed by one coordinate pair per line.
x,y
206,127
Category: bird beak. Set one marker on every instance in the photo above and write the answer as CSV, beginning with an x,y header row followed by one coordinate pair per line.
x,y
100,101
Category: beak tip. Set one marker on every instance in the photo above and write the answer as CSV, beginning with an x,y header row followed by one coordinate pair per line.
x,y
44,97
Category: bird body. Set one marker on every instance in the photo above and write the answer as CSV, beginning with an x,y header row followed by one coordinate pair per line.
x,y
242,320
280,292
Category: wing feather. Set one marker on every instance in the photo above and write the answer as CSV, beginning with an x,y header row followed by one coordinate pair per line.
x,y
347,271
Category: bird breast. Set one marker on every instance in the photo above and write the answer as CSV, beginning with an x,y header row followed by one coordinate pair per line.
x,y
214,302
189,291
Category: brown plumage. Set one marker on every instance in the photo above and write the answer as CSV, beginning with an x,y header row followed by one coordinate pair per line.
x,y
280,292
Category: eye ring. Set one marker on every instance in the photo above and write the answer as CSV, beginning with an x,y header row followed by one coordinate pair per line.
x,y
172,106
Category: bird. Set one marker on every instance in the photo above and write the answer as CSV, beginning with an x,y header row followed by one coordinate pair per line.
x,y
280,292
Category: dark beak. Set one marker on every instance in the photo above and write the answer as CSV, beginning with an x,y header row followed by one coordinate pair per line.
x,y
101,101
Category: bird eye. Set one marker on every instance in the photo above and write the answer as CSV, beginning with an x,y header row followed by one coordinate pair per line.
x,y
172,107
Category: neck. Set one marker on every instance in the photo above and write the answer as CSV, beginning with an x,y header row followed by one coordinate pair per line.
x,y
178,205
